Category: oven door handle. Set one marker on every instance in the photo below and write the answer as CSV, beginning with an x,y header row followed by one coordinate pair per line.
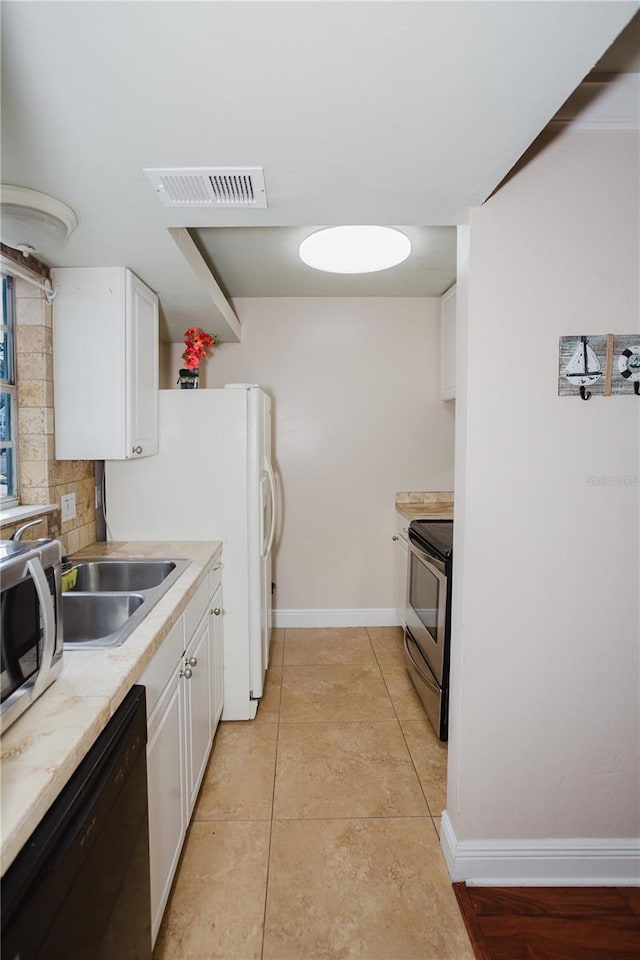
x,y
430,680
427,558
48,619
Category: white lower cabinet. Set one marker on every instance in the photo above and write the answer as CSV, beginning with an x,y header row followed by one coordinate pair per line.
x,y
184,686
217,661
402,561
197,673
166,776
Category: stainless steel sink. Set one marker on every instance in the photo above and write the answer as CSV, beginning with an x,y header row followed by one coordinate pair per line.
x,y
89,617
112,596
121,575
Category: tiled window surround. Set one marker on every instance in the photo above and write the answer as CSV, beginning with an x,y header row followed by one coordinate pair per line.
x,y
43,479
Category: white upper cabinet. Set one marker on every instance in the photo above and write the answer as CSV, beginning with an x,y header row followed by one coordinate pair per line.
x,y
142,355
448,344
105,364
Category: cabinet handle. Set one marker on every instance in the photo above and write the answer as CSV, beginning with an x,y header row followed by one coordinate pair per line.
x,y
187,673
137,449
193,661
216,611
394,538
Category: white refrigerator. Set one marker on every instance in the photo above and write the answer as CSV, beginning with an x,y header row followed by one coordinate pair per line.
x,y
212,479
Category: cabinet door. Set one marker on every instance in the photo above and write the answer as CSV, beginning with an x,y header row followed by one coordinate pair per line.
x,y
89,347
105,357
448,345
166,777
197,676
217,659
402,559
142,368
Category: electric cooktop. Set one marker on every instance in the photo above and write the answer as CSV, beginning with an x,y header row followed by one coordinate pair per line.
x,y
436,535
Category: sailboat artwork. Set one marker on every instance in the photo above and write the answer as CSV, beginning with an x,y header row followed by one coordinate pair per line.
x,y
582,365
584,368
600,365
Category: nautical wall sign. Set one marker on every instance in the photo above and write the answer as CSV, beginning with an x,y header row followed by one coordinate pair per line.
x,y
599,365
583,362
626,364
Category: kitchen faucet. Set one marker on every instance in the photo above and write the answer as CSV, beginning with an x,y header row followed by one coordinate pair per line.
x,y
25,526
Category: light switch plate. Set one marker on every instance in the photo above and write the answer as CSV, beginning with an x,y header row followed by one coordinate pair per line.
x,y
68,507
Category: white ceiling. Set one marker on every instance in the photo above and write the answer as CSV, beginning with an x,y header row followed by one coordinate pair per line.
x,y
401,113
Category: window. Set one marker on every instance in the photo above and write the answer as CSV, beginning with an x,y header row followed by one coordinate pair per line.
x,y
8,399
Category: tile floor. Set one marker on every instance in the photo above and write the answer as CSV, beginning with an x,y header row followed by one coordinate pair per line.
x,y
315,835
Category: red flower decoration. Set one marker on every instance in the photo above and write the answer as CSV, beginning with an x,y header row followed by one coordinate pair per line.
x,y
197,342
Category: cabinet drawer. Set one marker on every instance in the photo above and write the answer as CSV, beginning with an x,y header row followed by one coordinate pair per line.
x,y
197,606
158,672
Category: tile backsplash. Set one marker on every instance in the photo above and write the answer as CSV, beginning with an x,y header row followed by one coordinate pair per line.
x,y
43,479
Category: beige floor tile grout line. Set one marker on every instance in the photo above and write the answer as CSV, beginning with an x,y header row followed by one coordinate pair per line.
x,y
273,800
404,737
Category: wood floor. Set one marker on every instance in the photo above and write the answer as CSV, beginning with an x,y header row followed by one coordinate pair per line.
x,y
552,923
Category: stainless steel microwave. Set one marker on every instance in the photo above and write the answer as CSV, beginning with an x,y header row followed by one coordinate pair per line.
x,y
30,623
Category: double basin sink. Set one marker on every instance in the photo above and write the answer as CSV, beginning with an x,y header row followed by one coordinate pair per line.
x,y
107,598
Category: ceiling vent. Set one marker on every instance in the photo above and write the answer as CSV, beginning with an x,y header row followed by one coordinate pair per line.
x,y
210,186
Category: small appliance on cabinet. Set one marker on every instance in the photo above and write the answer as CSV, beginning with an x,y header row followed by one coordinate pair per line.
x,y
30,622
427,636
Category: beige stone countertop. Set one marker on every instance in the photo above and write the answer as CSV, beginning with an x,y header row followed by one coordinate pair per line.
x,y
41,750
426,505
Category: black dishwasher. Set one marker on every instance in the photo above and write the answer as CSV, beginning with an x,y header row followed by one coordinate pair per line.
x,y
79,888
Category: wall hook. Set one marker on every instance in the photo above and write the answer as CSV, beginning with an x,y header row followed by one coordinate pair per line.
x,y
584,393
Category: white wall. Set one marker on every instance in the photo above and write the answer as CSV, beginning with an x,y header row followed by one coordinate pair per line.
x,y
546,632
357,418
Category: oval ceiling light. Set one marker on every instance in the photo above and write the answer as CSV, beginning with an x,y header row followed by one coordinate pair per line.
x,y
33,222
355,249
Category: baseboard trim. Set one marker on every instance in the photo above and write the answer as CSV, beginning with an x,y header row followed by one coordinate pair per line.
x,y
541,863
367,617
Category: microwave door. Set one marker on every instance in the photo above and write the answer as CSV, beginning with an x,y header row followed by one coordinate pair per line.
x,y
19,646
31,647
48,624
12,676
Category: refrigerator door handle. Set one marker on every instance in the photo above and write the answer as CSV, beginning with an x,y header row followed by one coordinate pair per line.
x,y
272,485
262,502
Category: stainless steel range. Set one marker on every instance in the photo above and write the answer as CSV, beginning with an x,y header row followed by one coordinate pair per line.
x,y
428,616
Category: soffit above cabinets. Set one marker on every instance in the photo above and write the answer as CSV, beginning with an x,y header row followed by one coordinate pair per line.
x,y
357,112
264,262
